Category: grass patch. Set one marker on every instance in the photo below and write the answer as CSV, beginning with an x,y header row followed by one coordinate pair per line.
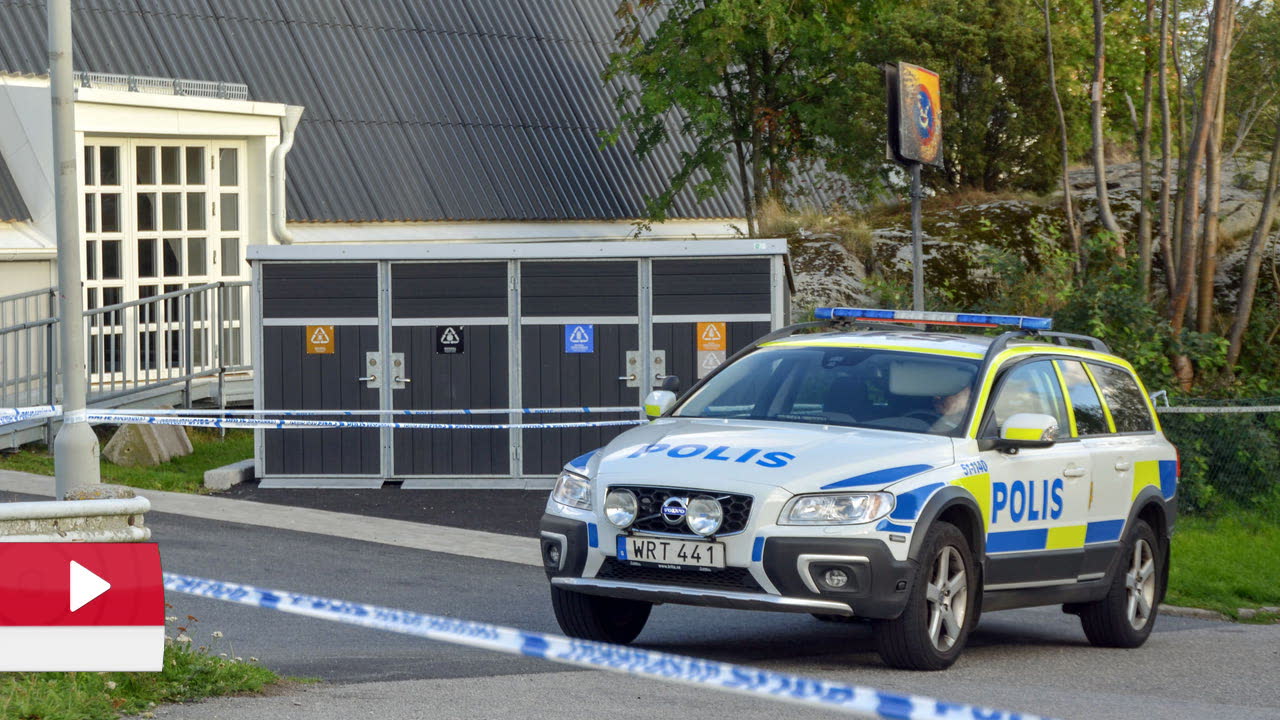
x,y
189,674
183,474
1226,563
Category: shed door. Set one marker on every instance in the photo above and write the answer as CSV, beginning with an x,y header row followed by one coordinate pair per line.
x,y
578,321
449,321
705,310
342,300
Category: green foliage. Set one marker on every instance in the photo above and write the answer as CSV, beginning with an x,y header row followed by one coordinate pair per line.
x,y
747,86
188,674
1229,461
1226,563
181,474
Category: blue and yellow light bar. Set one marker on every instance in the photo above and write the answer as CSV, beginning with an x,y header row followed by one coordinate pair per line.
x,y
934,318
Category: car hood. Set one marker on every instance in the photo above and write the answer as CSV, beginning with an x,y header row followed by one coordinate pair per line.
x,y
727,454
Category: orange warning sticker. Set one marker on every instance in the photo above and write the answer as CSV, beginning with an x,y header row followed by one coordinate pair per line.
x,y
319,339
711,336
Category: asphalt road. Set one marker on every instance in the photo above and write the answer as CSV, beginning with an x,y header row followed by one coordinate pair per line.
x,y
1029,660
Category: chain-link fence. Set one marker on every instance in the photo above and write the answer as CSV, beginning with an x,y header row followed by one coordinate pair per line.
x,y
1230,454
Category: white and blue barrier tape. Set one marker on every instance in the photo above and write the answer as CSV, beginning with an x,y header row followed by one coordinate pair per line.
x,y
357,413
183,418
827,695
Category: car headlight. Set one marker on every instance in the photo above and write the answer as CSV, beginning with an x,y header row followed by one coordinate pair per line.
x,y
573,490
621,506
704,515
837,509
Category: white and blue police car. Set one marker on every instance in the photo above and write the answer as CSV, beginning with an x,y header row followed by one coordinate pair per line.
x,y
853,468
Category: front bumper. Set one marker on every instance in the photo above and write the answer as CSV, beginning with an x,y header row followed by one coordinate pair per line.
x,y
877,586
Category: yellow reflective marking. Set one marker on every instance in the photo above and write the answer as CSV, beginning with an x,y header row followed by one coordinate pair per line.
x,y
1071,536
979,486
1023,433
652,410
1111,423
1145,472
874,346
1066,397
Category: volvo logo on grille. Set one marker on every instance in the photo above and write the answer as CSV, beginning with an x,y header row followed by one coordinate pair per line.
x,y
674,510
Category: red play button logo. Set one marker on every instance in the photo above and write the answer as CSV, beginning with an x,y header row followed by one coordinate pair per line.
x,y
81,606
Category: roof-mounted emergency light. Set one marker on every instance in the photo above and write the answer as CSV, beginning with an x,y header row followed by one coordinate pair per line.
x,y
934,318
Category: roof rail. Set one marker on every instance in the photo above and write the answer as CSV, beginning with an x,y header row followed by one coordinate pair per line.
x,y
1058,338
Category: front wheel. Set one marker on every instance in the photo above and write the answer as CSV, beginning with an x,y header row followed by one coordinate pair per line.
x,y
1124,618
603,619
933,629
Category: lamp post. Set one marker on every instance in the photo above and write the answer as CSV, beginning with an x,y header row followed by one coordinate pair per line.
x,y
75,448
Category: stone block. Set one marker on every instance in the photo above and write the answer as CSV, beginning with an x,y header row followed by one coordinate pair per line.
x,y
146,445
224,477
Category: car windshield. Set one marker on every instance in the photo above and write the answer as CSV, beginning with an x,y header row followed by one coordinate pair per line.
x,y
857,387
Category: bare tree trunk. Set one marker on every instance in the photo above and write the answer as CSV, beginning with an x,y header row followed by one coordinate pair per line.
x,y
1182,368
1213,198
1105,216
1195,151
1180,96
1257,248
1166,154
1073,228
1144,158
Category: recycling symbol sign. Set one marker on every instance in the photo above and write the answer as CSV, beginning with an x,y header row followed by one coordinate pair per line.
x,y
580,338
450,340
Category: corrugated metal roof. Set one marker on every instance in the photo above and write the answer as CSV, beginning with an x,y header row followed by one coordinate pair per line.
x,y
12,207
416,109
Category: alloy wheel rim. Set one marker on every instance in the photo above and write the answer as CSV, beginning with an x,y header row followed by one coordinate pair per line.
x,y
1140,584
947,595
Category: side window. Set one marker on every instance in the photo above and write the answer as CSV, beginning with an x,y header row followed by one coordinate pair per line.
x,y
1124,399
1090,417
1029,388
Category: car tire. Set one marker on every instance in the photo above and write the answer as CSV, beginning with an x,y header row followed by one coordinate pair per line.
x,y
934,627
1124,618
603,619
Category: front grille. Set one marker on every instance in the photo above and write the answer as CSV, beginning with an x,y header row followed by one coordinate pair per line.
x,y
733,579
737,509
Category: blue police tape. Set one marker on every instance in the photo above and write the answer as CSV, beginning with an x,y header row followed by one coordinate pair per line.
x,y
356,413
148,417
860,701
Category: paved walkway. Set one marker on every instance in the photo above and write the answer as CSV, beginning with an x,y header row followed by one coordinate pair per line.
x,y
401,533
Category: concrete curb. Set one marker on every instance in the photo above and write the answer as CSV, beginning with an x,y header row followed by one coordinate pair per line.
x,y
224,477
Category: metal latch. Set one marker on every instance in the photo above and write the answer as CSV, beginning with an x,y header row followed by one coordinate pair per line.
x,y
372,370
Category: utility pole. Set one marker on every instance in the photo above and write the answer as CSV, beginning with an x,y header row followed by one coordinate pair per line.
x,y
75,449
917,246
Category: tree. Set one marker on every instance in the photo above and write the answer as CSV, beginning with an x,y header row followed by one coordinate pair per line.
x,y
1257,249
1105,215
752,85
1073,228
1186,241
1144,151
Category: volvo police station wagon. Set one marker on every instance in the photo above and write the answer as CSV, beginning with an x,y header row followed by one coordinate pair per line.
x,y
874,471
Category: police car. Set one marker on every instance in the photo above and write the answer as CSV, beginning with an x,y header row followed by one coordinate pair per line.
x,y
875,471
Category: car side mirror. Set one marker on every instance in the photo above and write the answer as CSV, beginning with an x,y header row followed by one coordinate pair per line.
x,y
671,383
658,403
1028,430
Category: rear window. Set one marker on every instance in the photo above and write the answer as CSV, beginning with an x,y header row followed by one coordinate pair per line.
x,y
1124,399
1090,419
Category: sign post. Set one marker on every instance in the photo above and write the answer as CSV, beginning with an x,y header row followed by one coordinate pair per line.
x,y
915,139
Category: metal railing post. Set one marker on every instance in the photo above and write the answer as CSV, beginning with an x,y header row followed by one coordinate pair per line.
x,y
50,377
186,349
219,338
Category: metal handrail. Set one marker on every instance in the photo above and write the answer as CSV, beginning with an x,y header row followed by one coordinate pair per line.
x,y
167,296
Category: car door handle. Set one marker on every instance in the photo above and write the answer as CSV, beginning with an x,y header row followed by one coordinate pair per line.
x,y
1074,471
1123,465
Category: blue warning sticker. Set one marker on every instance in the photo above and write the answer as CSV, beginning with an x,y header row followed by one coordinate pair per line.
x,y
579,338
